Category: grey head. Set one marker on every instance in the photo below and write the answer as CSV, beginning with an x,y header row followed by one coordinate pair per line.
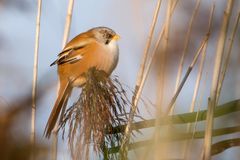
x,y
103,34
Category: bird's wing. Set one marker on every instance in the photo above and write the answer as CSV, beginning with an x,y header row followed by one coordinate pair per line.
x,y
74,50
68,56
71,54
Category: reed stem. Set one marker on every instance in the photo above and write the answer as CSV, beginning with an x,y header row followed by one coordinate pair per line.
x,y
226,63
65,39
199,76
35,76
135,98
216,72
185,49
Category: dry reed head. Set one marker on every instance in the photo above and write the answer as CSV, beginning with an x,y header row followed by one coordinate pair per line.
x,y
101,106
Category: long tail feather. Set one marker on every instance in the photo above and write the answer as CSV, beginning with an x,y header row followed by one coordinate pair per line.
x,y
63,95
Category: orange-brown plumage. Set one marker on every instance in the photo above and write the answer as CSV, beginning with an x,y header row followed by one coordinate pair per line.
x,y
94,48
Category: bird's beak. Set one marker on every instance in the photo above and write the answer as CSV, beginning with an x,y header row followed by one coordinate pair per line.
x,y
116,37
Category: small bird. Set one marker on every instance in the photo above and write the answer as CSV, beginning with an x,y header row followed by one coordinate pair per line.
x,y
97,48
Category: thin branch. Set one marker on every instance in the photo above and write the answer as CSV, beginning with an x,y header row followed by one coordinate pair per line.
x,y
199,77
214,88
226,64
151,57
68,22
125,141
203,43
35,74
161,82
200,100
162,64
185,49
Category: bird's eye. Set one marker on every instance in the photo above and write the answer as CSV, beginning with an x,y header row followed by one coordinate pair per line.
x,y
109,36
107,41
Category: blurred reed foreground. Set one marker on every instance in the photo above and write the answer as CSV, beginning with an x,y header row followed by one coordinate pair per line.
x,y
14,142
184,103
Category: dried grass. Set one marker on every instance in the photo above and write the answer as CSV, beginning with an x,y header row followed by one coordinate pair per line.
x,y
100,107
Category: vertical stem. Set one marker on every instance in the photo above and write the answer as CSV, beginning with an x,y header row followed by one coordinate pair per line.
x,y
161,79
148,44
225,67
68,22
151,57
216,73
125,141
162,68
35,73
54,146
65,39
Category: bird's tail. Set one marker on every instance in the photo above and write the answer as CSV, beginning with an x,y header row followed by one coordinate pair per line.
x,y
62,99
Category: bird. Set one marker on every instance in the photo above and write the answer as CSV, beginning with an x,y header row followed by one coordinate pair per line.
x,y
97,48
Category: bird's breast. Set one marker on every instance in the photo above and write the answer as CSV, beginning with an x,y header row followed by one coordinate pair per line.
x,y
103,57
111,57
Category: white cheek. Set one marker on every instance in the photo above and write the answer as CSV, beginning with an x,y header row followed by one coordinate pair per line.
x,y
113,57
113,47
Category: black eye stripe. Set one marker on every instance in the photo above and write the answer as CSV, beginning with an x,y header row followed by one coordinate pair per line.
x,y
106,34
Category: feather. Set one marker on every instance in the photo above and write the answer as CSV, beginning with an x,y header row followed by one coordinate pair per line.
x,y
66,56
63,95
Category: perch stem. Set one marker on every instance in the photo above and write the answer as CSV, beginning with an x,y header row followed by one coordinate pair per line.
x,y
216,72
35,76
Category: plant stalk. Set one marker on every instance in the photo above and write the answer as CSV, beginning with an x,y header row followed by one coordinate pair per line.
x,y
35,76
215,80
